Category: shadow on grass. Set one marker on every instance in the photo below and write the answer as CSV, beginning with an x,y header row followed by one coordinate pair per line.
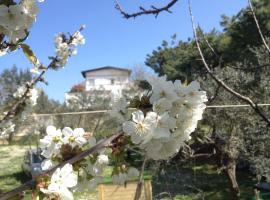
x,y
191,183
19,176
10,181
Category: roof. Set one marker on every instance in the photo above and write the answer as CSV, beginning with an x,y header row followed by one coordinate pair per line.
x,y
106,67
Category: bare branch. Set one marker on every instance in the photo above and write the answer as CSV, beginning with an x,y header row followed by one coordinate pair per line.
x,y
214,96
154,11
219,81
30,184
139,185
258,26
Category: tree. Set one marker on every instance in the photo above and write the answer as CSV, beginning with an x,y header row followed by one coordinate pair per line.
x,y
10,80
238,57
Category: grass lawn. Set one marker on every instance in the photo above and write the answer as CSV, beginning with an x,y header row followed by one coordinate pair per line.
x,y
199,182
11,174
180,183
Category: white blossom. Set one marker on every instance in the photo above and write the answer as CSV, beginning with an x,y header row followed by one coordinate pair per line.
x,y
12,17
35,70
74,137
162,105
96,169
16,19
20,91
177,108
161,88
7,127
3,51
61,181
65,49
78,38
102,160
48,164
141,128
52,142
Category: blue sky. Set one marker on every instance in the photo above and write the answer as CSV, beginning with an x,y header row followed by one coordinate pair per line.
x,y
111,39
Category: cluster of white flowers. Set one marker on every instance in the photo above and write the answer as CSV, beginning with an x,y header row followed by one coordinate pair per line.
x,y
51,144
62,180
31,99
15,20
6,128
31,95
3,51
90,172
67,47
176,109
121,177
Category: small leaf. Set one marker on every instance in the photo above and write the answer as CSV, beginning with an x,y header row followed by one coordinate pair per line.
x,y
29,54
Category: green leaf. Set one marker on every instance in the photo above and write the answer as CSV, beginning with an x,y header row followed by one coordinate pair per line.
x,y
29,54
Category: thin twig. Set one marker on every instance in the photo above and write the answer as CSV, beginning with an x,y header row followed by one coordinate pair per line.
x,y
140,183
31,184
258,26
219,81
97,124
154,11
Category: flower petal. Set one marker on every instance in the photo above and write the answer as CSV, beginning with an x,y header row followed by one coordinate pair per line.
x,y
138,116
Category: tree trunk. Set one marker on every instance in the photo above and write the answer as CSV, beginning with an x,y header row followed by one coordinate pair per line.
x,y
231,175
10,138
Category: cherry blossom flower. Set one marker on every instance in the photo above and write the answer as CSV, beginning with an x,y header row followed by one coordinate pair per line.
x,y
52,142
74,137
141,128
61,181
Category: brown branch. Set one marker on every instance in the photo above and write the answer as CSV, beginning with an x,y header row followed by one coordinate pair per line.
x,y
219,81
31,184
258,26
154,11
214,96
139,184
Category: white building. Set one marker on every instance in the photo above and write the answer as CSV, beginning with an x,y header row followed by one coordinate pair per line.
x,y
107,78
112,80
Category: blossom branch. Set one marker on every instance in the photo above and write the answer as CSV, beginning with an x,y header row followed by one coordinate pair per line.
x,y
253,105
154,11
15,109
258,26
31,184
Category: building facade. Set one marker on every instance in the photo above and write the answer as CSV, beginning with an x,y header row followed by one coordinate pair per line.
x,y
108,78
108,81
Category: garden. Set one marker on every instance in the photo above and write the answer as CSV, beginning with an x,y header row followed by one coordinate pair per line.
x,y
191,122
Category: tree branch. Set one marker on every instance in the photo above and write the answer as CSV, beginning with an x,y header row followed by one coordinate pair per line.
x,y
154,11
30,184
258,26
219,81
139,185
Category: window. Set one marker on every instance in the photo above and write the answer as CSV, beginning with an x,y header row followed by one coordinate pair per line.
x,y
112,81
91,81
